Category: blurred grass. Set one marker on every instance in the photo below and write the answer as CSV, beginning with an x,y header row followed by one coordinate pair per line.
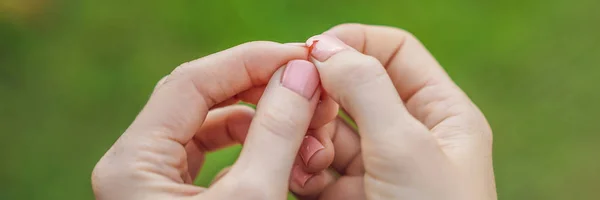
x,y
74,74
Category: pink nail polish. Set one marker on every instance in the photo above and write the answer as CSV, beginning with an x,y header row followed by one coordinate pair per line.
x,y
324,46
310,146
301,77
300,176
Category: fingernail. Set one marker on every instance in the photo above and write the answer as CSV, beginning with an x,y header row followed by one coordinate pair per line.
x,y
310,146
301,77
324,46
300,176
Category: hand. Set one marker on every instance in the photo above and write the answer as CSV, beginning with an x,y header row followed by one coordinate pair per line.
x,y
421,137
189,114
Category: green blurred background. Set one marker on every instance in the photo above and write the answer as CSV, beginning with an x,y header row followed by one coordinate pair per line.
x,y
74,74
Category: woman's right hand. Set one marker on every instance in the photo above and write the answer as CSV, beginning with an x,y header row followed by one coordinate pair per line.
x,y
421,137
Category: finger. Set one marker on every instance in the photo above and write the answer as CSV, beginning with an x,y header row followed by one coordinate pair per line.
x,y
309,185
311,176
336,145
409,64
417,76
346,187
348,158
361,85
281,121
223,127
251,96
316,152
160,83
326,111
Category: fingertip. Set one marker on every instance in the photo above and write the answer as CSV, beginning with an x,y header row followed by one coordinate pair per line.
x,y
322,47
305,184
317,154
309,42
321,160
301,77
299,176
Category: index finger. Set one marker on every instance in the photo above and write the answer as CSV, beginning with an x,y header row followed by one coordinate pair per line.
x,y
410,66
178,107
419,79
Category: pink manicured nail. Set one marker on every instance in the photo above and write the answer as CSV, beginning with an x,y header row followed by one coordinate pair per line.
x,y
309,147
325,46
301,77
300,176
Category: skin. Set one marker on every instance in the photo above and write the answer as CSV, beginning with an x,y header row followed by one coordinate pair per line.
x,y
421,137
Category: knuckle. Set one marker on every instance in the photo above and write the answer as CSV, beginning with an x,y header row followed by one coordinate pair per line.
x,y
161,81
405,35
257,44
350,73
96,176
356,70
101,176
111,169
181,69
364,27
403,32
275,121
349,26
370,62
356,63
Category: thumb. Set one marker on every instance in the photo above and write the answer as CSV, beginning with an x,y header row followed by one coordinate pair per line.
x,y
282,118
